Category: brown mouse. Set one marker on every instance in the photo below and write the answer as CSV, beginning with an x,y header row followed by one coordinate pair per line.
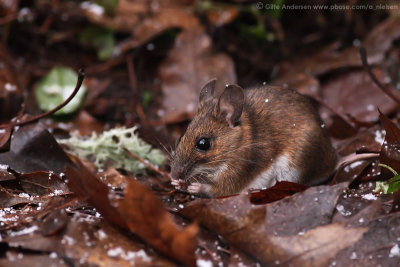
x,y
250,139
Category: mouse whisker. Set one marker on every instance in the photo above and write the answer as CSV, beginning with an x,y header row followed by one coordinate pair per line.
x,y
169,154
236,149
240,159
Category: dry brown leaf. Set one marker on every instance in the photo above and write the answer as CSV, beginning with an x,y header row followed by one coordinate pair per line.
x,y
315,247
354,93
328,59
140,211
86,185
144,19
189,65
147,217
254,228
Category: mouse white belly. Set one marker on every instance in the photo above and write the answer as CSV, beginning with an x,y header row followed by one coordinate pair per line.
x,y
280,170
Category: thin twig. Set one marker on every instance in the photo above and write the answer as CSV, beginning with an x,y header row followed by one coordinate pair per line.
x,y
131,72
331,109
148,164
363,55
81,76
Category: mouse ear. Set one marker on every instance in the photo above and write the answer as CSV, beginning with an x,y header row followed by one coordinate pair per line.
x,y
207,92
230,104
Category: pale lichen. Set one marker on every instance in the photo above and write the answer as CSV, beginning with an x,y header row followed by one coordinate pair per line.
x,y
108,148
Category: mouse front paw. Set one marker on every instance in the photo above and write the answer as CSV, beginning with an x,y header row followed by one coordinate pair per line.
x,y
198,188
175,183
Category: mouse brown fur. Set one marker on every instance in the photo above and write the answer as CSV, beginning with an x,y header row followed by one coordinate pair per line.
x,y
251,138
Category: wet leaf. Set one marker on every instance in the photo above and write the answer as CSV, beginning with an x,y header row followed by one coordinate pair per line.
x,y
390,150
33,149
188,66
142,20
41,183
140,211
278,191
9,199
378,41
56,87
377,246
147,217
5,135
86,185
265,231
54,222
343,91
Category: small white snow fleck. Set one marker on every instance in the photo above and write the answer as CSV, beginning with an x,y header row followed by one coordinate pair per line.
x,y
135,255
204,263
353,256
130,255
115,252
379,136
394,251
93,8
181,206
150,46
370,107
53,255
23,195
266,100
340,208
102,235
355,164
3,166
160,112
68,240
361,220
190,107
10,87
56,192
25,231
369,196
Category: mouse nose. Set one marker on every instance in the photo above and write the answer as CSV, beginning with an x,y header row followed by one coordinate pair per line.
x,y
177,173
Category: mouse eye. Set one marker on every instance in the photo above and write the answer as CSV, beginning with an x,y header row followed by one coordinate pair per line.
x,y
203,144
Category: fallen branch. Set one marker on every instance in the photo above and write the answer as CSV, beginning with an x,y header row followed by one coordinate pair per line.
x,y
148,164
81,76
363,55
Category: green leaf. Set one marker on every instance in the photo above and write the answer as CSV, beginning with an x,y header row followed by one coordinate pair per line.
x,y
99,38
387,187
381,187
393,187
56,87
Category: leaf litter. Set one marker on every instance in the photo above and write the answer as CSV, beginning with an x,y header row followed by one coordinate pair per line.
x,y
58,210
